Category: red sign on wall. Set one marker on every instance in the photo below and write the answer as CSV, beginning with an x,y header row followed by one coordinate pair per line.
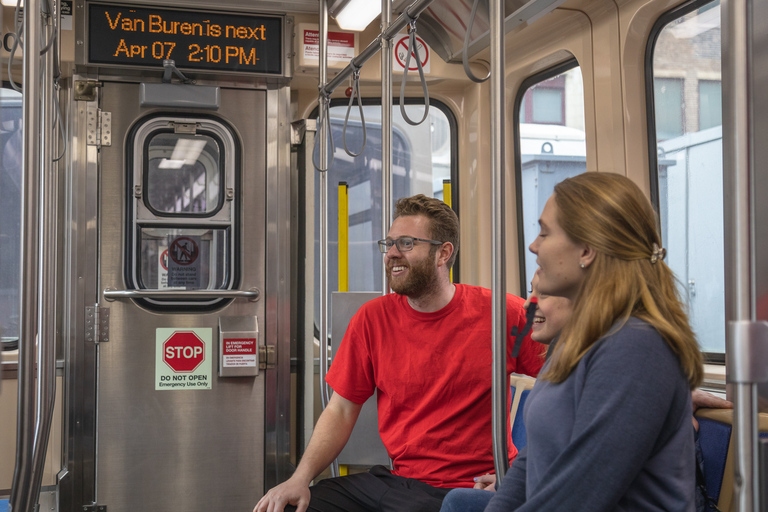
x,y
183,351
238,352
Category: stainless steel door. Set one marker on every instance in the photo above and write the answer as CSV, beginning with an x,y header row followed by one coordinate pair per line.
x,y
179,448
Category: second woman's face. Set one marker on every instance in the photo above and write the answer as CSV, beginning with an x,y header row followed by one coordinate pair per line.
x,y
559,258
551,316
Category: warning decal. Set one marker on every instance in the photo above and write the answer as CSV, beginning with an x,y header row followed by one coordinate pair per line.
x,y
183,262
183,358
238,352
341,45
401,54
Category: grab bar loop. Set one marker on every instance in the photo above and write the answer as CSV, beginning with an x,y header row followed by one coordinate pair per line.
x,y
324,123
411,48
355,92
465,49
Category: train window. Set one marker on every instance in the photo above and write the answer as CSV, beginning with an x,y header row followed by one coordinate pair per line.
x,y
183,174
183,205
550,146
685,126
415,169
11,138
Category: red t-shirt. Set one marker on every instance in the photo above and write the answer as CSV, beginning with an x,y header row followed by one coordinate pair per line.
x,y
433,372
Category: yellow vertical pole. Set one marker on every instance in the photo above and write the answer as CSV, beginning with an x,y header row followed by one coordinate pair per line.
x,y
343,237
343,257
447,200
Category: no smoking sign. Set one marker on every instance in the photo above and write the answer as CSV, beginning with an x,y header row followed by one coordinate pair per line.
x,y
401,54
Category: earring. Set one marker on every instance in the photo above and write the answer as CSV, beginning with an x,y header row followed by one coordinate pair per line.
x,y
582,266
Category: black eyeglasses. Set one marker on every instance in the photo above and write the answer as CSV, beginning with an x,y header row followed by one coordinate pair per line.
x,y
404,243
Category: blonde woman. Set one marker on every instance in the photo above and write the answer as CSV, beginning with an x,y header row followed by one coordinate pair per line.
x,y
609,420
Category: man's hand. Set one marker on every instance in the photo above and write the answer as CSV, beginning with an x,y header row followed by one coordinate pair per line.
x,y
290,492
485,482
702,399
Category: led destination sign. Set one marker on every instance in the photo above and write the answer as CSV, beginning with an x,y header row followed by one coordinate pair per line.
x,y
194,40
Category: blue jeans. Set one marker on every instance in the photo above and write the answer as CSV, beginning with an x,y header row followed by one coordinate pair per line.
x,y
466,500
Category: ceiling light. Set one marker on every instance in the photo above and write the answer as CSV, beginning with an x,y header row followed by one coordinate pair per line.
x,y
355,14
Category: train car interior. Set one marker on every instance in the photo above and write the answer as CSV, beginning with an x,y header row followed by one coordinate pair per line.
x,y
165,341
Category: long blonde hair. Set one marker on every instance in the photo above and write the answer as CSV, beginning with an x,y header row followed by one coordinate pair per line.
x,y
610,214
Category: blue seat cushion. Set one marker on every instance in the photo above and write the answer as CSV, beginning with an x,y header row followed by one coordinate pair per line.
x,y
518,426
714,438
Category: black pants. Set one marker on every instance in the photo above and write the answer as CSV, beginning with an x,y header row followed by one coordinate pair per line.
x,y
375,491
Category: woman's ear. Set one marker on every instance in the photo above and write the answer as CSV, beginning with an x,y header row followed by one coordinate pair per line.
x,y
588,255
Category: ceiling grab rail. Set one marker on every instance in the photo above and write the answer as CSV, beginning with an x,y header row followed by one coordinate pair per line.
x,y
498,243
22,488
326,140
373,48
465,48
411,49
355,93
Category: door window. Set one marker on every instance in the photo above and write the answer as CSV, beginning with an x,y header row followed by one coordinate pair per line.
x,y
183,176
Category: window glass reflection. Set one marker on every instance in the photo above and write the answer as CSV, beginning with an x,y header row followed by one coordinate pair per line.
x,y
10,217
183,259
183,174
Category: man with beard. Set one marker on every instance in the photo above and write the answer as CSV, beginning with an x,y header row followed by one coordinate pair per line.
x,y
426,350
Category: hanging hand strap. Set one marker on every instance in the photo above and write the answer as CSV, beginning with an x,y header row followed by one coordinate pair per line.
x,y
412,48
323,121
465,49
355,92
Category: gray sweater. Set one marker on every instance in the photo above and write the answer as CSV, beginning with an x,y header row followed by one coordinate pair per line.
x,y
616,435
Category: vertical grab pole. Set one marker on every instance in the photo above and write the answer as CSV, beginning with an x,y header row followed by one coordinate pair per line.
x,y
386,129
343,237
325,122
499,296
738,263
46,368
21,493
447,199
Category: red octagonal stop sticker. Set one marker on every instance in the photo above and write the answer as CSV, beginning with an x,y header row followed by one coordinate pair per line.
x,y
183,351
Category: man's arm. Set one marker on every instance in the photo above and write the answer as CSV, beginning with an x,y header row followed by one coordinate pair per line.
x,y
328,439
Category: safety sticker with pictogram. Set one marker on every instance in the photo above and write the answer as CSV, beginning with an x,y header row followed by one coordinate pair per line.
x,y
401,54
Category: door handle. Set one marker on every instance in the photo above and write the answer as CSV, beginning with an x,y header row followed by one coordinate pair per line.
x,y
252,295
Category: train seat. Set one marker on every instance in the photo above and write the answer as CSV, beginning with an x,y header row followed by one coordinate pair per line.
x,y
3,505
717,447
520,388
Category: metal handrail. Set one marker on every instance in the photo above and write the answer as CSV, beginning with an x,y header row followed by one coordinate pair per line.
x,y
22,491
373,48
111,294
737,181
325,393
498,238
46,368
